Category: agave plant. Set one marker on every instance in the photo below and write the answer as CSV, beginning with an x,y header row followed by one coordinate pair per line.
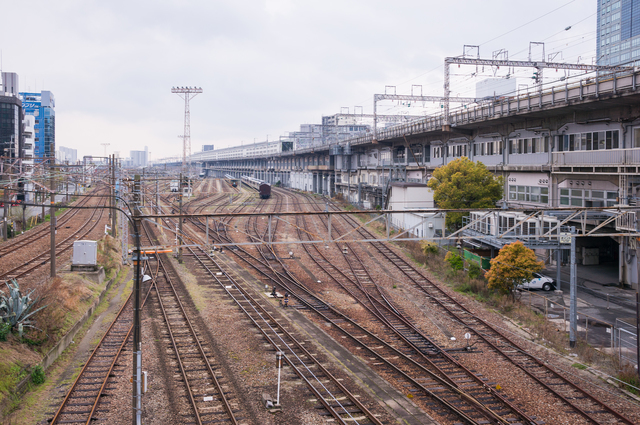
x,y
15,309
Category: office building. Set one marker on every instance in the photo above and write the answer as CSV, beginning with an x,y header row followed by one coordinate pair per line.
x,y
618,32
66,155
42,107
10,127
9,83
140,158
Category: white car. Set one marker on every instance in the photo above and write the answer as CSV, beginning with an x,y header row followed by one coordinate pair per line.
x,y
539,281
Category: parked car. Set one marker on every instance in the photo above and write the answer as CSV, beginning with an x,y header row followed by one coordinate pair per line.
x,y
539,281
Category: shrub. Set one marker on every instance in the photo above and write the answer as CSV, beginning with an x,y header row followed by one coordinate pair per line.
x,y
37,375
5,328
475,271
429,248
454,260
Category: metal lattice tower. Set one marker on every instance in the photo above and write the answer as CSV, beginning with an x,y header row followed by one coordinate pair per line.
x,y
187,93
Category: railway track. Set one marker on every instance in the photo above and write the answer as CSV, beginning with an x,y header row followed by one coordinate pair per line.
x,y
582,403
384,352
585,406
592,411
329,392
80,405
448,378
419,356
209,395
41,259
41,231
332,395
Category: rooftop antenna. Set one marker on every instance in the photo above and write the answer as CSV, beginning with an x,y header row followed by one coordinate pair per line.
x,y
186,93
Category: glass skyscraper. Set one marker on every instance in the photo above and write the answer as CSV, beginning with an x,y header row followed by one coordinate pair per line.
x,y
10,128
42,107
618,32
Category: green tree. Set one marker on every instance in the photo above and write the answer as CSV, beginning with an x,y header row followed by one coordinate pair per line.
x,y
464,184
455,261
514,265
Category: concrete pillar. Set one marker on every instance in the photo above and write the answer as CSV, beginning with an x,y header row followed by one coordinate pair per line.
x,y
558,275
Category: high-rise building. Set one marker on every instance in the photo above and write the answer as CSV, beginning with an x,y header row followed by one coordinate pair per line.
x,y
9,84
618,32
10,117
66,155
42,107
140,158
10,127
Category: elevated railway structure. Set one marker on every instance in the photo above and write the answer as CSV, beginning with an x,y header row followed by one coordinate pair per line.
x,y
573,145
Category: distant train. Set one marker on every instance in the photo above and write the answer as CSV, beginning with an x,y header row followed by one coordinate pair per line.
x,y
232,180
263,188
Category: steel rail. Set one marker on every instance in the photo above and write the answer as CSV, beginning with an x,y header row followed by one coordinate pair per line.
x,y
266,316
119,315
279,276
389,309
387,253
41,231
298,372
61,247
194,335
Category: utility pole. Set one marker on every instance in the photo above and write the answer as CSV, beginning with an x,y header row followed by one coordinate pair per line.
x,y
186,93
66,186
180,221
573,303
6,213
157,200
113,197
638,306
52,215
137,337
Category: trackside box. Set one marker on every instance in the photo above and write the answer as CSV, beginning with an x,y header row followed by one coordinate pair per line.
x,y
85,253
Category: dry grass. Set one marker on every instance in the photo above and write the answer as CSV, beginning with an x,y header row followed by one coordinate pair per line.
x,y
66,300
109,256
198,293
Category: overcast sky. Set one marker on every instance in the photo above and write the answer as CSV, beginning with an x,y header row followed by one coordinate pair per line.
x,y
265,66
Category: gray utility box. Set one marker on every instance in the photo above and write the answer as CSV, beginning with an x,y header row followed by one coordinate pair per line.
x,y
85,253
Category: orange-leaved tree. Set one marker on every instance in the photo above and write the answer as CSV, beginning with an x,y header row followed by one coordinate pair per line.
x,y
514,265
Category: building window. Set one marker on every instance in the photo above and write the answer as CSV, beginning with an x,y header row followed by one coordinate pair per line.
x,y
537,194
599,140
587,198
529,145
416,155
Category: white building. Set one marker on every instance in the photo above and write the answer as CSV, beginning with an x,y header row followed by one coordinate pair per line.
x,y
140,158
406,196
64,155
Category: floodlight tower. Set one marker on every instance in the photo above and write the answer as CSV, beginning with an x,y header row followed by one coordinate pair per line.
x,y
187,93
